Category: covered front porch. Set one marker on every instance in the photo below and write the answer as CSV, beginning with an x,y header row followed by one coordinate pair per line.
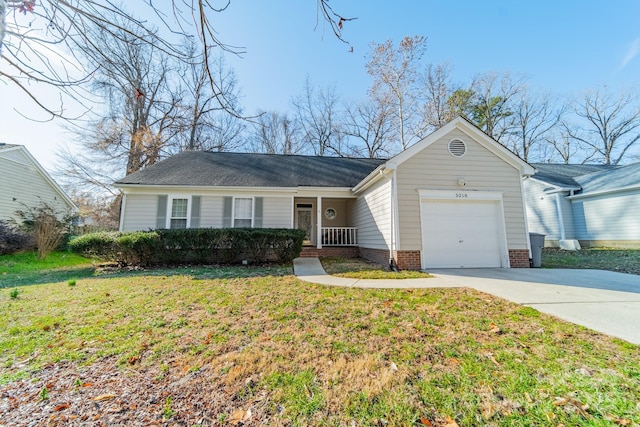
x,y
327,222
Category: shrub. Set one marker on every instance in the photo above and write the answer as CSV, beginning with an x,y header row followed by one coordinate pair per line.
x,y
98,245
12,239
192,246
48,225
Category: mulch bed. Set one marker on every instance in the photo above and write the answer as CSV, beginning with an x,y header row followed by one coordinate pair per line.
x,y
103,394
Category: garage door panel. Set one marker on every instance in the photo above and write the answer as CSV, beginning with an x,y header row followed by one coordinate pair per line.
x,y
461,233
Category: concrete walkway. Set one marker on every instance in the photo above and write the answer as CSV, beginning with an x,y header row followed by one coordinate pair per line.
x,y
604,301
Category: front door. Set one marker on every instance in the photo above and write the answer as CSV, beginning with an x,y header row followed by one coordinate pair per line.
x,y
304,221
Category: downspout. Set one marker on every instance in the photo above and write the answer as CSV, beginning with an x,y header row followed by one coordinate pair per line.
x,y
393,216
560,217
122,211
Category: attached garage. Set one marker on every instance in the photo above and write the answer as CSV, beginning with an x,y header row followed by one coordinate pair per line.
x,y
462,229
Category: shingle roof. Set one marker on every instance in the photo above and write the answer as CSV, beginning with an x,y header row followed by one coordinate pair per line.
x,y
620,177
589,178
216,169
563,175
4,146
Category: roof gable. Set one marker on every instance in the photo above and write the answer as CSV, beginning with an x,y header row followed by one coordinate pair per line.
x,y
474,133
225,169
26,155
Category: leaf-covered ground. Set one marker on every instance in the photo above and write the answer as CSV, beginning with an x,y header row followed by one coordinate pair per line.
x,y
262,349
620,260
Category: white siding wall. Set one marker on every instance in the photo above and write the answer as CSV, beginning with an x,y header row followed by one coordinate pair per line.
x,y
372,215
140,212
608,217
435,168
542,212
22,181
276,212
340,206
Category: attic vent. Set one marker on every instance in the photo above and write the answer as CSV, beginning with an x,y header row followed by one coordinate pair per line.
x,y
457,148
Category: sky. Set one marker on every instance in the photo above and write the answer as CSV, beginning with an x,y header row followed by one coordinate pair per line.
x,y
563,47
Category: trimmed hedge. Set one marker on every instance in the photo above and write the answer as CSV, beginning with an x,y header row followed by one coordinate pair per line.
x,y
192,246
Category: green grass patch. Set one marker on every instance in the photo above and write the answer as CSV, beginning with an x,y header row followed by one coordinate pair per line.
x,y
620,260
304,354
358,268
24,269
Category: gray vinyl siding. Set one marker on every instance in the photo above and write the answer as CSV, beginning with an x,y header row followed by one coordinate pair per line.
x,y
276,212
542,212
24,182
211,211
435,168
567,217
612,217
140,212
372,216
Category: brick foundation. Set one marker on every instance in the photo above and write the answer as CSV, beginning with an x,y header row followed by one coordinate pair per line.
x,y
379,256
408,260
333,251
519,258
405,260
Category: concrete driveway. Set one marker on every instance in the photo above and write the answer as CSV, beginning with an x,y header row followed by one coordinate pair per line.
x,y
604,301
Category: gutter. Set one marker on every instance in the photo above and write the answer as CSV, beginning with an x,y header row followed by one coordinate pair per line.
x,y
601,192
378,173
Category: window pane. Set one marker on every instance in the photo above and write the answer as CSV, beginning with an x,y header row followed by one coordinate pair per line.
x,y
179,208
178,223
242,223
243,209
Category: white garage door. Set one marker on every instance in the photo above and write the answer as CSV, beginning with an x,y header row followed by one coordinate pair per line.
x,y
461,233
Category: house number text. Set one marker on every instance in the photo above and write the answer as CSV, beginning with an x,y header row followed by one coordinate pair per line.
x,y
461,195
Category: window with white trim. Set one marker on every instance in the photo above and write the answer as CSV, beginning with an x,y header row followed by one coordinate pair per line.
x,y
179,213
242,212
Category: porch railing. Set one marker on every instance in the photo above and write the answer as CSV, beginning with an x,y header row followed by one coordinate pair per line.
x,y
339,236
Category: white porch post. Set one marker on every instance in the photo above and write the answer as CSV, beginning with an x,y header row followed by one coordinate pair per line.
x,y
319,223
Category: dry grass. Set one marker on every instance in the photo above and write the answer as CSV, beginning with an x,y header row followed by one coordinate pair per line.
x,y
358,268
303,354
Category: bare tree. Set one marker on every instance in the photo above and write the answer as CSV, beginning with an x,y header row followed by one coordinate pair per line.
x,y
395,76
39,40
208,125
492,103
318,117
371,125
142,115
534,119
438,89
274,133
609,123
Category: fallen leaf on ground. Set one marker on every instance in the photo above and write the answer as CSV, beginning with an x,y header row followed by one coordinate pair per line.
x,y
240,416
426,422
618,421
61,407
104,397
450,422
494,328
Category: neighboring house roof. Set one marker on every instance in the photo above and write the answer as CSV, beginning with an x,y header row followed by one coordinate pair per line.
x,y
588,179
614,179
563,175
4,146
221,169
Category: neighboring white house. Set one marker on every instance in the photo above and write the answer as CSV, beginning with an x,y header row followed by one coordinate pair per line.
x,y
24,183
597,205
454,199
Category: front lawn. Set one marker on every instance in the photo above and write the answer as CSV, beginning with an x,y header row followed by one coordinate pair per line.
x,y
358,268
620,260
264,348
23,269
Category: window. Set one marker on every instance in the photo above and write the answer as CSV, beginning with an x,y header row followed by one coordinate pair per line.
x,y
242,212
179,213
